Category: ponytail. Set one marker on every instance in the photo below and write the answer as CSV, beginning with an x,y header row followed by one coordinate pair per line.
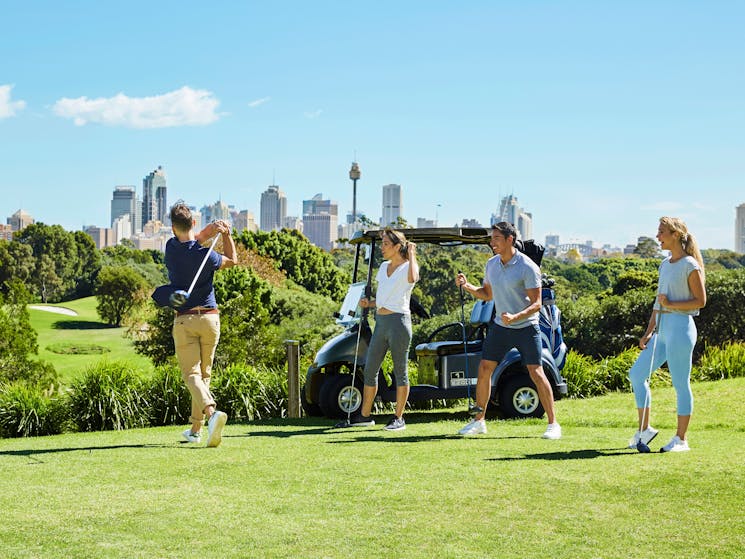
x,y
687,240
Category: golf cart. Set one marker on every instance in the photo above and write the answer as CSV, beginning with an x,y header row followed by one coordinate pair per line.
x,y
447,369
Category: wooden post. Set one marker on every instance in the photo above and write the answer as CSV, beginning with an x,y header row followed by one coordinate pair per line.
x,y
293,378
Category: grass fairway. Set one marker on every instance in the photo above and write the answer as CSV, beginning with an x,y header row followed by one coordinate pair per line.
x,y
303,490
62,330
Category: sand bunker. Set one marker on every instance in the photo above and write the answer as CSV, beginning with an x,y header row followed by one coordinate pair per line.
x,y
58,310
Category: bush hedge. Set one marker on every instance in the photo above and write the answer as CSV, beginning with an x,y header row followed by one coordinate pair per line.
x,y
111,395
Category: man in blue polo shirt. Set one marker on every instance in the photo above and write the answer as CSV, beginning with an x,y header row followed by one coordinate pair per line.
x,y
513,282
196,327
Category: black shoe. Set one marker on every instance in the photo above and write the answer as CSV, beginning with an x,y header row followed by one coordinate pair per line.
x,y
357,420
396,424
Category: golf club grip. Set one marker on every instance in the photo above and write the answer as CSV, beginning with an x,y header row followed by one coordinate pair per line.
x,y
201,266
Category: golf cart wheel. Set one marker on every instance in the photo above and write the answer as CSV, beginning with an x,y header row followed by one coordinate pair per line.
x,y
310,409
338,397
518,397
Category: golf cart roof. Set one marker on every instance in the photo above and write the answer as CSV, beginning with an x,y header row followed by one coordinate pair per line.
x,y
447,236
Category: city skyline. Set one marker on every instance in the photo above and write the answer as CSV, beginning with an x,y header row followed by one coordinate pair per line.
x,y
515,214
460,104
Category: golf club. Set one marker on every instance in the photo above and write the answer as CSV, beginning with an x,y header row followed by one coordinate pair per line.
x,y
178,298
641,446
348,421
473,409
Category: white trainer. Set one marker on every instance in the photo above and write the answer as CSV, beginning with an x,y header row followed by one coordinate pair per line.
x,y
676,445
474,427
645,436
214,428
553,432
190,437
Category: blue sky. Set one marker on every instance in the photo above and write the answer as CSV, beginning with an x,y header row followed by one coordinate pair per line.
x,y
599,116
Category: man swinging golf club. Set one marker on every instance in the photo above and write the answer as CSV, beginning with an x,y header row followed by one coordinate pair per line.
x,y
513,282
196,327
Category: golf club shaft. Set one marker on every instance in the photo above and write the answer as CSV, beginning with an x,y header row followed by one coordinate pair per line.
x,y
201,266
647,396
465,342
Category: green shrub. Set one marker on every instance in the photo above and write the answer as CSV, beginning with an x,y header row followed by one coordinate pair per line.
x,y
580,373
169,398
28,411
719,363
613,372
245,392
108,396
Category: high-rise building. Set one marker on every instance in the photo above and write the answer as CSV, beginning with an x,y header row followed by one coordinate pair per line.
x,y
20,220
552,241
423,222
511,212
273,208
6,232
218,210
124,202
740,229
154,194
122,228
320,220
102,236
293,222
244,220
468,222
393,206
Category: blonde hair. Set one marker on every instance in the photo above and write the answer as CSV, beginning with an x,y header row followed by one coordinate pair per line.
x,y
686,239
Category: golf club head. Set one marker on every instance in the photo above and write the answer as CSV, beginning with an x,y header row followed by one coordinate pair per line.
x,y
473,409
643,448
178,298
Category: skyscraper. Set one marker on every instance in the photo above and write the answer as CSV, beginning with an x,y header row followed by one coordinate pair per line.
x,y
393,206
154,194
20,220
273,208
740,229
320,219
123,202
511,212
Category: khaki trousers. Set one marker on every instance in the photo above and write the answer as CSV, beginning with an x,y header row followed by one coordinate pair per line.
x,y
195,337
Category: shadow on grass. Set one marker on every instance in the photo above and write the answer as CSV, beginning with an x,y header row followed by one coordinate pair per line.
x,y
584,454
80,325
31,454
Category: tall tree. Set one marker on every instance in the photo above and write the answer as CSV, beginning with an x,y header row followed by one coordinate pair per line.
x,y
61,248
118,290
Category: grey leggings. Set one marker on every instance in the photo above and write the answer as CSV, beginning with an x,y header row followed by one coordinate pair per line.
x,y
392,331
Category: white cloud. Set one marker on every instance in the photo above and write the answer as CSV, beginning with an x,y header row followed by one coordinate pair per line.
x,y
314,114
183,107
258,102
8,108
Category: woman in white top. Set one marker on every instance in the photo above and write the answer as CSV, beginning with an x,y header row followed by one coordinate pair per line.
x,y
680,295
396,278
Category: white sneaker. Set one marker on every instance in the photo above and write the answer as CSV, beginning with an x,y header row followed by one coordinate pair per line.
x,y
474,427
190,437
676,445
553,431
646,436
214,428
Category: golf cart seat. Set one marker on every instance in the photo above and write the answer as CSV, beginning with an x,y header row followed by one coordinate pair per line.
x,y
481,314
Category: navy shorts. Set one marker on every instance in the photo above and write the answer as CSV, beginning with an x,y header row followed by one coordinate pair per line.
x,y
499,340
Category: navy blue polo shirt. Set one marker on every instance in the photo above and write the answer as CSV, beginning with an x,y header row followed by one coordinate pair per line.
x,y
182,261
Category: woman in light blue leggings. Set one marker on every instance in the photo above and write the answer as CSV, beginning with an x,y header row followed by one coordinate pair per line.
x,y
671,332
